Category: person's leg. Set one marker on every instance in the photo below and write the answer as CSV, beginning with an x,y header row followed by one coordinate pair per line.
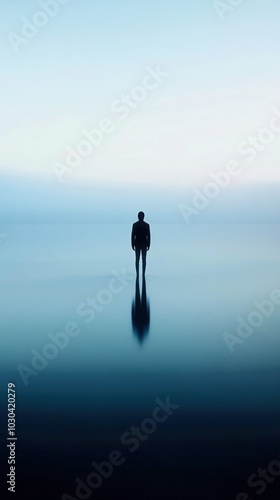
x,y
137,258
144,254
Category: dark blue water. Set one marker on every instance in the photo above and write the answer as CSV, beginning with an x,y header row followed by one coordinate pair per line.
x,y
73,409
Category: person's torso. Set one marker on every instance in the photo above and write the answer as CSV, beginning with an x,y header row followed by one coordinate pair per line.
x,y
141,230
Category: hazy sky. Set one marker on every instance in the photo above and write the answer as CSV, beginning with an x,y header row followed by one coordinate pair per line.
x,y
222,86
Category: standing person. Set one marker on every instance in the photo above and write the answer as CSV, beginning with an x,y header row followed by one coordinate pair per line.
x,y
140,241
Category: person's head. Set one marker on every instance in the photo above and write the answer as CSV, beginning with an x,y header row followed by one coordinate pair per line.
x,y
141,216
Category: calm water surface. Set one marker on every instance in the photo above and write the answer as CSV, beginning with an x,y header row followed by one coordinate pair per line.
x,y
138,345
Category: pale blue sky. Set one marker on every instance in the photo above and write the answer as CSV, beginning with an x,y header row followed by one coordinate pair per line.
x,y
223,85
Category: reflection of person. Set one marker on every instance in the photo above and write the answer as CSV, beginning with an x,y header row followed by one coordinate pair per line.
x,y
140,312
140,240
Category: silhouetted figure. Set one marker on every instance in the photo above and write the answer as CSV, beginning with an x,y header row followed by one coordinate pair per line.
x,y
140,241
140,312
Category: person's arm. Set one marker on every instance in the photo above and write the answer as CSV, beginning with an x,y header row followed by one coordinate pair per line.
x,y
133,238
148,238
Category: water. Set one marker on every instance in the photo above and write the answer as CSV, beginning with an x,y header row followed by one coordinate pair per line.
x,y
74,410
